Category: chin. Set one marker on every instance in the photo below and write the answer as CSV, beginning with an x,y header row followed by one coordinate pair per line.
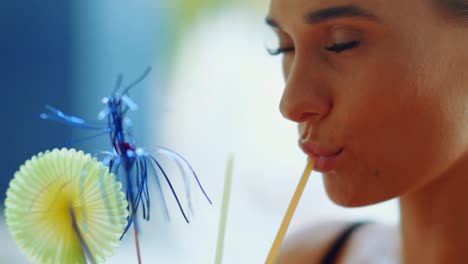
x,y
355,201
353,195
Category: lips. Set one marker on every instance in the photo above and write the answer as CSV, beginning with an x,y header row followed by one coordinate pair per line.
x,y
325,158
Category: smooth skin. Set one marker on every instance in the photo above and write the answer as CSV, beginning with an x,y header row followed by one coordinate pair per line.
x,y
387,81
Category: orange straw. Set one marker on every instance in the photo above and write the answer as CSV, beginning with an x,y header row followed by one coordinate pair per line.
x,y
290,212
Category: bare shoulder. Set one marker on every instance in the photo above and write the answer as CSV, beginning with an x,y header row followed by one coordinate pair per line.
x,y
371,243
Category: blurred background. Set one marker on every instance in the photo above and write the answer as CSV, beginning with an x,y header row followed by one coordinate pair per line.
x,y
213,91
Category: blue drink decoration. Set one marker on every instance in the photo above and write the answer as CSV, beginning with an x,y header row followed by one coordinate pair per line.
x,y
131,164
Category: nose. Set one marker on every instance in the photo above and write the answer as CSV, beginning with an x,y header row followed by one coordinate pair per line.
x,y
305,96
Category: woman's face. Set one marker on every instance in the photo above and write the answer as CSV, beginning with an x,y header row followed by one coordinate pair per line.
x,y
381,81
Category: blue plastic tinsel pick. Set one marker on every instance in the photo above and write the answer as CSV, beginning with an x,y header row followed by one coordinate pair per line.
x,y
131,164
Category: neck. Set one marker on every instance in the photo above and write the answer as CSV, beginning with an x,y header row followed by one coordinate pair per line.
x,y
434,220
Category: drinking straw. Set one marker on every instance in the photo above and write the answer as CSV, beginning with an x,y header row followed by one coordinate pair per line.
x,y
290,212
224,211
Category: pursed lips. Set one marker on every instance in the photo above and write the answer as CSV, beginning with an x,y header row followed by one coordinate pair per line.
x,y
325,158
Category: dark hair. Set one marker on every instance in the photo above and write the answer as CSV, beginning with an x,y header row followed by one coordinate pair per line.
x,y
457,8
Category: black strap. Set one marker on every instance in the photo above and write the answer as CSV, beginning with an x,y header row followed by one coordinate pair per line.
x,y
340,241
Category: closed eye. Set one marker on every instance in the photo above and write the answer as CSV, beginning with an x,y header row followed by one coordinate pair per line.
x,y
280,50
340,47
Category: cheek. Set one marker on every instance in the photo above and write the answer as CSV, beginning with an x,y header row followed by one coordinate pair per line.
x,y
397,132
386,158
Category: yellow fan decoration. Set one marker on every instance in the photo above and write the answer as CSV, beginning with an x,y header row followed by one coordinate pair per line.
x,y
63,206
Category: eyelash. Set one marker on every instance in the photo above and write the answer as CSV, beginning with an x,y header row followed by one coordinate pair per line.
x,y
279,51
340,47
337,48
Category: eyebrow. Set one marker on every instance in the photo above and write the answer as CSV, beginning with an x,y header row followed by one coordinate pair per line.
x,y
329,13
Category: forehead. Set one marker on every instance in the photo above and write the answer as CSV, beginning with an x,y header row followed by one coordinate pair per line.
x,y
287,11
278,7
